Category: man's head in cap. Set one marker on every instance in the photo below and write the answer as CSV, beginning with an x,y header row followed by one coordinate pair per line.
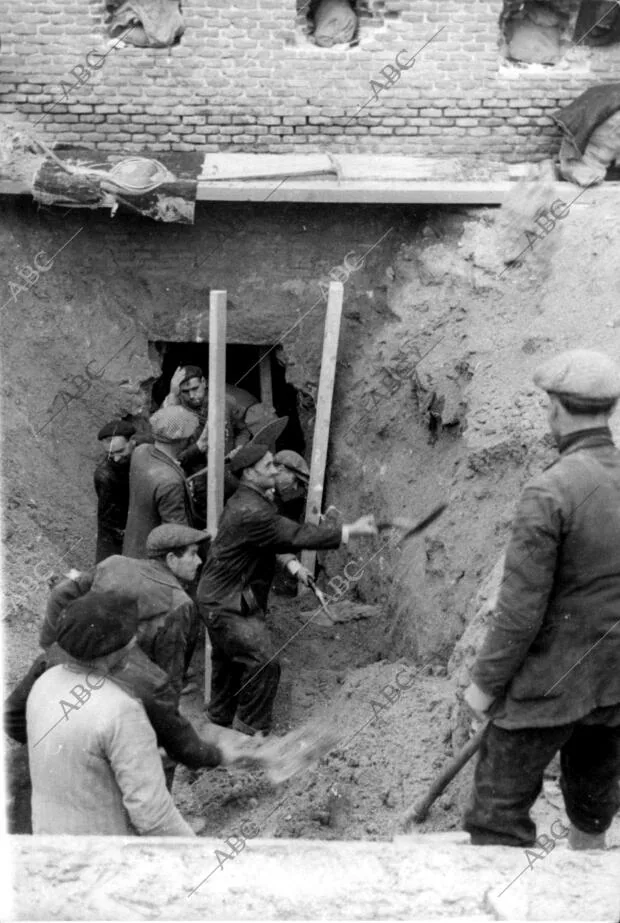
x,y
192,387
98,625
117,438
176,546
293,474
174,428
583,387
254,464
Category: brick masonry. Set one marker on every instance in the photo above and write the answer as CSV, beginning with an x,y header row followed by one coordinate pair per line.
x,y
245,77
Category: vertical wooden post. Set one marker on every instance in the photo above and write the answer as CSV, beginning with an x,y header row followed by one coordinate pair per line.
x,y
266,385
320,441
216,422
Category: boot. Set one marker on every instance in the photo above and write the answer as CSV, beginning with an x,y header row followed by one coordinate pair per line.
x,y
577,839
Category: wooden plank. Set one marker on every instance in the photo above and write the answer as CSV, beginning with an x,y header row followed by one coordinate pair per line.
x,y
320,441
378,192
223,166
216,422
266,384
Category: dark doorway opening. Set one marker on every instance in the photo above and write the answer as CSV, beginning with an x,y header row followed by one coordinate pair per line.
x,y
243,376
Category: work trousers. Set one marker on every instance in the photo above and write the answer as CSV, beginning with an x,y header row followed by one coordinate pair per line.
x,y
245,673
509,778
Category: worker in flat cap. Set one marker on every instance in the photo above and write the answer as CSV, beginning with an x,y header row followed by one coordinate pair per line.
x,y
234,589
547,674
112,486
93,754
167,617
157,489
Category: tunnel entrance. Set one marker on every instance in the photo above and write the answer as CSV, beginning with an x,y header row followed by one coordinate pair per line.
x,y
255,375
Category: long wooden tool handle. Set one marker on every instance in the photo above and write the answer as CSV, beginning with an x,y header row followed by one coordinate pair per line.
x,y
420,810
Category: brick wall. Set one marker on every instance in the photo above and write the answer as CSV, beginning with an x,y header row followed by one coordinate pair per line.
x,y
245,77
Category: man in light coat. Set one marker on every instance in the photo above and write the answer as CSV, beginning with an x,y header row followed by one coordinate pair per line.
x,y
93,754
157,488
548,673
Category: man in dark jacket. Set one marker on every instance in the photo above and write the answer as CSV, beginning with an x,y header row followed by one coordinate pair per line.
x,y
112,487
548,672
157,489
145,681
167,617
234,589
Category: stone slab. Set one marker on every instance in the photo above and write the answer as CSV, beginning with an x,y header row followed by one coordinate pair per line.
x,y
417,877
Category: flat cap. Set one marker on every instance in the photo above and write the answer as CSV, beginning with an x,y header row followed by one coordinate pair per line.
x,y
294,462
172,424
172,536
586,377
191,371
247,456
116,428
97,624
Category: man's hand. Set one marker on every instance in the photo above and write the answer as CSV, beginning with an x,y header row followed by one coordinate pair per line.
x,y
478,701
203,440
175,383
298,570
240,749
233,452
365,525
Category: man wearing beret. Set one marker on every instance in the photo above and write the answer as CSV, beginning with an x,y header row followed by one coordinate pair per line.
x,y
548,672
167,617
143,680
94,763
157,488
112,486
234,589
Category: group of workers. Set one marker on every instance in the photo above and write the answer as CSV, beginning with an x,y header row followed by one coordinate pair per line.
x,y
546,679
135,617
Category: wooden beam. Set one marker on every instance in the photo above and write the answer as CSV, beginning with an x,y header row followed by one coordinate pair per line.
x,y
266,384
216,422
320,441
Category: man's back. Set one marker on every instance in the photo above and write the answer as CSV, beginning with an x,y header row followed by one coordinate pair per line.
x,y
94,762
112,489
166,613
157,494
562,577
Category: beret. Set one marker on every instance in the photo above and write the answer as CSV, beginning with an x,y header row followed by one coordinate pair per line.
x,y
191,371
172,536
247,456
116,428
294,462
587,377
97,624
172,424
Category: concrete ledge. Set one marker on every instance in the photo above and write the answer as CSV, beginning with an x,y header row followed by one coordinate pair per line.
x,y
121,878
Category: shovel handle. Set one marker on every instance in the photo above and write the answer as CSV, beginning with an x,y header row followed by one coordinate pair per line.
x,y
420,809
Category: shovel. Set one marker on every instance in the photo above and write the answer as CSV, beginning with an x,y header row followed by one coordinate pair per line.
x,y
408,527
420,809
